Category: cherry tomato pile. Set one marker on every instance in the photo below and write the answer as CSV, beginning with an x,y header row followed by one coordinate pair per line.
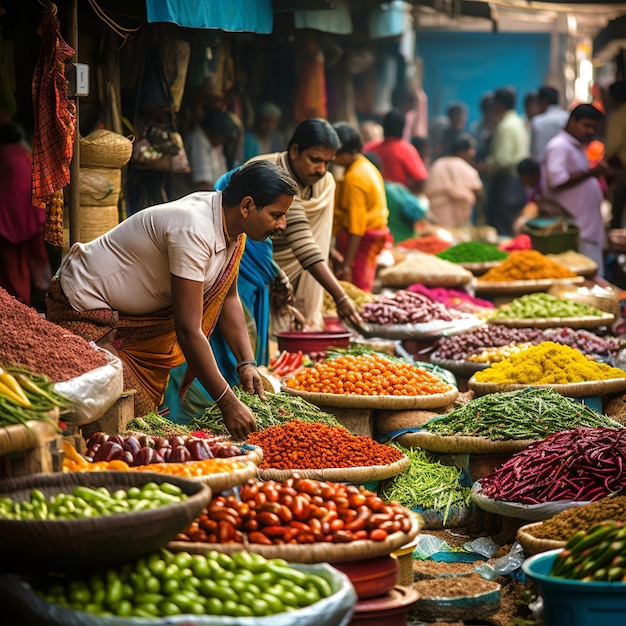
x,y
367,375
298,511
312,445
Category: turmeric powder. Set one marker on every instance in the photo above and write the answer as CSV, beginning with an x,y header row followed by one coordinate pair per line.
x,y
547,363
527,265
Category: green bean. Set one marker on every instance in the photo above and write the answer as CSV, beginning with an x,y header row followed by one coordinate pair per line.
x,y
427,484
521,414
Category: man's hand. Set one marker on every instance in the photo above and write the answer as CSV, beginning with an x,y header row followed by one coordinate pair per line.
x,y
251,382
281,291
347,310
238,418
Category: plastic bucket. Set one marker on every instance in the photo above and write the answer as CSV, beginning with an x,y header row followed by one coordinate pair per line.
x,y
574,602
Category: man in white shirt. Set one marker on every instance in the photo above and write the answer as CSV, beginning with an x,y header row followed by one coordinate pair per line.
x,y
546,124
153,288
568,179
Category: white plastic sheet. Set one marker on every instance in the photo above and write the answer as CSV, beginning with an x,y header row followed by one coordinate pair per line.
x,y
94,392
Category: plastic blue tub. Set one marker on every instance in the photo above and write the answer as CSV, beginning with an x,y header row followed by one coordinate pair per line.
x,y
574,602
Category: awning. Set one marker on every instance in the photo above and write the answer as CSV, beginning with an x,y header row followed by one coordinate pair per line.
x,y
252,16
466,8
610,41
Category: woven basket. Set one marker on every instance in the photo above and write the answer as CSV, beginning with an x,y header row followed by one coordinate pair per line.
x,y
524,286
461,444
571,390
226,480
96,221
353,475
104,148
103,540
20,437
535,545
461,368
584,321
478,269
429,330
405,563
432,401
99,186
607,301
319,552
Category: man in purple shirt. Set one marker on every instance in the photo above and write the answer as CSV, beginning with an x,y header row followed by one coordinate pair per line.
x,y
568,179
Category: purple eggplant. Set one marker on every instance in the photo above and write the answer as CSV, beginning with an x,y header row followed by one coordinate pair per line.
x,y
180,455
199,450
109,451
145,456
97,439
146,441
166,453
176,441
158,456
131,444
128,458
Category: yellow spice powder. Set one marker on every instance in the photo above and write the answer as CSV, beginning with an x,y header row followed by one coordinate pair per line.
x,y
527,265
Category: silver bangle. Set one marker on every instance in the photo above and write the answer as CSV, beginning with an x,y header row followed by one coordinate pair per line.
x,y
223,393
242,364
344,297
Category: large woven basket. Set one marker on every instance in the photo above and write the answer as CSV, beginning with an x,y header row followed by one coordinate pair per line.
x,y
535,545
584,321
96,221
524,286
104,148
606,300
461,444
353,475
99,186
19,437
226,480
319,552
103,540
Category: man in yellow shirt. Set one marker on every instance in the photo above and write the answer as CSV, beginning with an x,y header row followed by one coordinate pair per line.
x,y
360,222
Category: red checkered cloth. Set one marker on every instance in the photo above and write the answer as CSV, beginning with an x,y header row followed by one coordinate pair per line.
x,y
55,124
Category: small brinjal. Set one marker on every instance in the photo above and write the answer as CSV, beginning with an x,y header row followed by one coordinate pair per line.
x,y
177,441
145,456
199,450
180,455
132,444
128,458
146,441
109,451
97,439
117,439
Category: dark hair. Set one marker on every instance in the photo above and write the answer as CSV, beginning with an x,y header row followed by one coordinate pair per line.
x,y
457,108
462,143
349,137
263,181
314,132
420,144
530,98
617,91
393,124
375,159
528,167
220,124
586,112
506,97
549,95
486,103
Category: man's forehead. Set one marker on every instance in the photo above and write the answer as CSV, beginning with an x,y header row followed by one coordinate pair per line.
x,y
325,152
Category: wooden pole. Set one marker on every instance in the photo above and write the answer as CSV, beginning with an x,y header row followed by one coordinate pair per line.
x,y
73,199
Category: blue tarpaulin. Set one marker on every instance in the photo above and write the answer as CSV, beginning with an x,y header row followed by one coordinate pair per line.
x,y
253,16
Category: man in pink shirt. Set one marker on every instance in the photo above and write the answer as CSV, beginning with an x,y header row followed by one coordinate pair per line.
x,y
400,161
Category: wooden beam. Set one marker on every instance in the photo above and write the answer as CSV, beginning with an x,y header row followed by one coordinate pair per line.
x,y
73,196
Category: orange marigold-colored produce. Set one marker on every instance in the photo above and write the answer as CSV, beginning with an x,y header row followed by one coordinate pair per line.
x,y
527,265
367,375
305,445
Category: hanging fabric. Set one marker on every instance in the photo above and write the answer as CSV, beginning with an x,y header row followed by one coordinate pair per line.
x,y
311,88
54,126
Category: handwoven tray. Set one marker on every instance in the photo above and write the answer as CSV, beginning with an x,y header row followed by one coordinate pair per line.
x,y
572,390
463,368
430,330
319,552
226,480
535,545
432,401
524,286
583,321
478,269
458,444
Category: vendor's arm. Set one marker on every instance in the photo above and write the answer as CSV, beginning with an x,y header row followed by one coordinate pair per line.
x,y
324,276
187,298
559,176
232,325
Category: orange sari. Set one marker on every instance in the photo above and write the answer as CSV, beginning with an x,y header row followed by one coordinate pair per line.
x,y
146,345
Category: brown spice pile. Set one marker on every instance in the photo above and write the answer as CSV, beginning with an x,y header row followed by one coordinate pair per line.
x,y
27,339
454,587
432,569
563,525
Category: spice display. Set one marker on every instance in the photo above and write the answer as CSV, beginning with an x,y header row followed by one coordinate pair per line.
x,y
473,252
427,484
563,525
27,396
164,584
302,445
454,586
424,269
358,297
575,261
540,305
157,426
583,464
430,244
30,341
597,553
521,414
298,511
423,570
405,307
367,375
493,355
546,364
279,408
526,265
87,502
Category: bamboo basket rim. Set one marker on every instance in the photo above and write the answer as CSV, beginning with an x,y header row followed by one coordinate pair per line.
x,y
20,437
321,551
221,481
535,545
571,390
462,444
524,286
432,401
459,366
429,330
359,475
582,321
105,148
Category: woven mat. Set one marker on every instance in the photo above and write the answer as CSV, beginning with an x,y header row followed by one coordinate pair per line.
x,y
461,444
572,390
